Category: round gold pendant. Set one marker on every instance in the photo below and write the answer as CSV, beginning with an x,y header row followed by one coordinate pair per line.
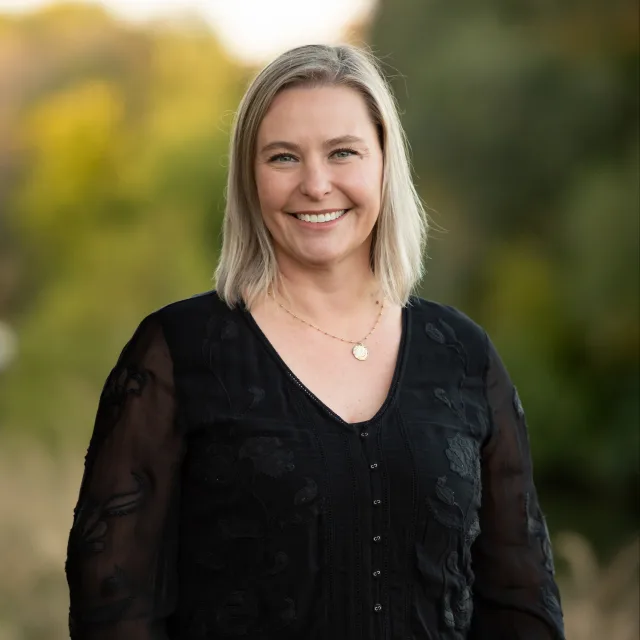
x,y
360,352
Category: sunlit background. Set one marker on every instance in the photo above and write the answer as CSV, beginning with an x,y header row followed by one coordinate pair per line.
x,y
250,31
523,118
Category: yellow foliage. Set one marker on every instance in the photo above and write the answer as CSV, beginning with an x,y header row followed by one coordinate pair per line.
x,y
74,147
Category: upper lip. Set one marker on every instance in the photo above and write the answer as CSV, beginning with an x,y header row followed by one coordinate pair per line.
x,y
319,211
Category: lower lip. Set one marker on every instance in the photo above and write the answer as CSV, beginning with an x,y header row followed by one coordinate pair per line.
x,y
322,225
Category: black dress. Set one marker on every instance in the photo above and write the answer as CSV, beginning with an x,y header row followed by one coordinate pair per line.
x,y
222,500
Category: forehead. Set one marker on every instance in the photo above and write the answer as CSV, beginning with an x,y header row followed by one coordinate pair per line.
x,y
328,111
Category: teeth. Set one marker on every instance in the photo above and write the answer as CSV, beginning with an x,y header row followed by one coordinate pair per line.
x,y
323,217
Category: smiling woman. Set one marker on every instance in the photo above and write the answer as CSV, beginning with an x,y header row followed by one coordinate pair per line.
x,y
313,130
319,200
249,476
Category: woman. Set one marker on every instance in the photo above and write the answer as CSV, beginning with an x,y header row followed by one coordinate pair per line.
x,y
310,452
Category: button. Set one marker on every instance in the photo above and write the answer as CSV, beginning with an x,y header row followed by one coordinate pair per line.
x,y
377,502
377,608
364,434
374,465
376,574
376,538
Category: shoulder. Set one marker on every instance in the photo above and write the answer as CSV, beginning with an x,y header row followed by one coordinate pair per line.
x,y
185,323
436,313
192,309
195,316
445,324
178,330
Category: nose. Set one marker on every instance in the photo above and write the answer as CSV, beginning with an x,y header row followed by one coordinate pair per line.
x,y
315,180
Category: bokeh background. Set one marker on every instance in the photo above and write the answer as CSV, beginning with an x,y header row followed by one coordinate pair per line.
x,y
523,117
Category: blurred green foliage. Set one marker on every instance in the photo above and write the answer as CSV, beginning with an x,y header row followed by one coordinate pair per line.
x,y
113,149
523,119
523,122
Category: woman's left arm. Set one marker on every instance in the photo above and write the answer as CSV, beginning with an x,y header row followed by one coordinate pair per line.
x,y
515,593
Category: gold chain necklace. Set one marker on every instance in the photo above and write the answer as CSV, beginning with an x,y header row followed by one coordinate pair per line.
x,y
359,351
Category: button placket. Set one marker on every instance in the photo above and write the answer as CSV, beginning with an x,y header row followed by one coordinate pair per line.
x,y
377,519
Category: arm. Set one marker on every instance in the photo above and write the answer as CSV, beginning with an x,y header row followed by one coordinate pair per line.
x,y
515,594
121,552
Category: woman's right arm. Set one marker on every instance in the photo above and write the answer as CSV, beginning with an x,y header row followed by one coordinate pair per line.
x,y
121,556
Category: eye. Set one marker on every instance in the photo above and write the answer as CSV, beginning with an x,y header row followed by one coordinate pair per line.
x,y
342,154
286,157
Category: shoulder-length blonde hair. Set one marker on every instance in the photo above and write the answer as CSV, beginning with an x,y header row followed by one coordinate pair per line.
x,y
247,265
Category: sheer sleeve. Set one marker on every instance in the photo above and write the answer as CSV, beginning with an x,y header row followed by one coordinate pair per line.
x,y
515,594
120,563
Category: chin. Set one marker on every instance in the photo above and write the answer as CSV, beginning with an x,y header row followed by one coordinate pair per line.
x,y
325,254
320,260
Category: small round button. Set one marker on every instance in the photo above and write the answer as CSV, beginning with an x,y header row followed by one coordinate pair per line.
x,y
374,465
377,502
376,538
364,434
377,608
376,574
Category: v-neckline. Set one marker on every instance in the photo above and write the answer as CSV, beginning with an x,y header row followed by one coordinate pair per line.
x,y
398,371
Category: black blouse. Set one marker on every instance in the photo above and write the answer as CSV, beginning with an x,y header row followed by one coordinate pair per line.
x,y
221,499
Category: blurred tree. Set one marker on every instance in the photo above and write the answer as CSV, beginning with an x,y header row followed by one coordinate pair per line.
x,y
523,121
115,200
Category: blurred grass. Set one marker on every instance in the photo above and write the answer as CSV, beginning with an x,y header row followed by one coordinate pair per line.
x,y
38,493
600,601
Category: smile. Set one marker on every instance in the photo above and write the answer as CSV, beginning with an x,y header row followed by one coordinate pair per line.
x,y
322,217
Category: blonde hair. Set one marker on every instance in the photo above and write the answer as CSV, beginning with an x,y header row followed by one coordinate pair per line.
x,y
247,267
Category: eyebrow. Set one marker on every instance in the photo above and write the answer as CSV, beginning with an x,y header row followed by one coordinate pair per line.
x,y
332,142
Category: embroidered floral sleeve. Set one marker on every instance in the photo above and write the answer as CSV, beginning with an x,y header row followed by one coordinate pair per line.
x,y
120,557
515,594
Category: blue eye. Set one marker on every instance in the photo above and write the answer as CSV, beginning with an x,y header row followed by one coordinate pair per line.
x,y
280,156
286,158
350,152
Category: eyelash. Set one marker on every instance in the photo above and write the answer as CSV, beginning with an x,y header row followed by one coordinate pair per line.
x,y
289,155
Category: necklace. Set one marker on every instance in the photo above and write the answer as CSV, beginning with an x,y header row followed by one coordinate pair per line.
x,y
359,351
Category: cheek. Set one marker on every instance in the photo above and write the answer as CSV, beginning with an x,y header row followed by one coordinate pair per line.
x,y
365,185
272,189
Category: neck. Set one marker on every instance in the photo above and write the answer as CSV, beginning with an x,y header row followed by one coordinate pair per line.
x,y
318,293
